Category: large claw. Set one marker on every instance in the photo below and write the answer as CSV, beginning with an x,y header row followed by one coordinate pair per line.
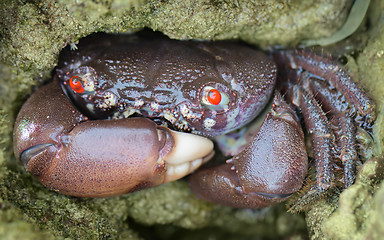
x,y
268,170
97,158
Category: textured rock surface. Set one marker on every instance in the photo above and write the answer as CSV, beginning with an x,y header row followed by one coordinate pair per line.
x,y
33,33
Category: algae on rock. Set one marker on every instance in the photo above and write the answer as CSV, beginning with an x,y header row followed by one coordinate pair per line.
x,y
32,35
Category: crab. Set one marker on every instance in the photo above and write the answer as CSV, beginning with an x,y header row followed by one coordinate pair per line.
x,y
124,113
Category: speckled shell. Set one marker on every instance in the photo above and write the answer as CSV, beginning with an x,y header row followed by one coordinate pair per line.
x,y
162,78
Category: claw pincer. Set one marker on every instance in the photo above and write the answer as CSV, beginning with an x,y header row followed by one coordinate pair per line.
x,y
271,168
92,158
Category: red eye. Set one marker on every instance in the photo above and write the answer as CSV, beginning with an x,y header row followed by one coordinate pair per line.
x,y
214,97
76,85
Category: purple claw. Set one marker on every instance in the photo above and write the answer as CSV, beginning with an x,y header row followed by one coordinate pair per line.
x,y
268,170
80,157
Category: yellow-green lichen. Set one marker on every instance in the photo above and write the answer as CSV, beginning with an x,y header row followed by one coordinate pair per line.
x,y
34,32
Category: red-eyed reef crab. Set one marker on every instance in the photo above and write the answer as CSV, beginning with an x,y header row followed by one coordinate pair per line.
x,y
127,112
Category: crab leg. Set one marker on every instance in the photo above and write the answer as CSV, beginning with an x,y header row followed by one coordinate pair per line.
x,y
345,131
321,133
322,138
268,170
95,158
326,69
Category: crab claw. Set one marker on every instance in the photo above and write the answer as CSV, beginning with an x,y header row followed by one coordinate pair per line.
x,y
267,171
96,158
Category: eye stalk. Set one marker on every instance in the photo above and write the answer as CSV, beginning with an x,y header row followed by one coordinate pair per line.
x,y
76,85
83,81
214,98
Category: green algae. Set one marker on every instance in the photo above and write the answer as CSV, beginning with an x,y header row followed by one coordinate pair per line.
x,y
16,226
33,33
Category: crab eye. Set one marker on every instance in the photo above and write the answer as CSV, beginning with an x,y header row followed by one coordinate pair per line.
x,y
76,85
214,96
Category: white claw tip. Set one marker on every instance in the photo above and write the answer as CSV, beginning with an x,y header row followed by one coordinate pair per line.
x,y
189,153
